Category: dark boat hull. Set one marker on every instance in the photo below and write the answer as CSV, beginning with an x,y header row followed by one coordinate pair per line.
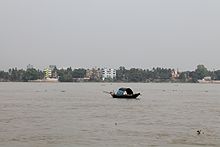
x,y
133,96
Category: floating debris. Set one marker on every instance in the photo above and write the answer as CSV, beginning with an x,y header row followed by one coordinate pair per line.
x,y
199,132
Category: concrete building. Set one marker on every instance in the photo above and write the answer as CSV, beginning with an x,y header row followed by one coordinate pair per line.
x,y
175,73
47,73
100,74
108,73
93,74
50,72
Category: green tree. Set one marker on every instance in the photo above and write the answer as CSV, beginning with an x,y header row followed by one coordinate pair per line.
x,y
4,76
217,75
122,74
79,73
65,75
194,77
161,73
201,71
136,75
184,76
31,74
16,75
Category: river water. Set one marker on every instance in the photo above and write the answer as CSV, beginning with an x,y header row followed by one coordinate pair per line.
x,y
80,114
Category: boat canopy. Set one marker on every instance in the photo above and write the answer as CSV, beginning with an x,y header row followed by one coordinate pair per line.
x,y
121,91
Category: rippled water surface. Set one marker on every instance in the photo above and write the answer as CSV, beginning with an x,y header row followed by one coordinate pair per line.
x,y
80,114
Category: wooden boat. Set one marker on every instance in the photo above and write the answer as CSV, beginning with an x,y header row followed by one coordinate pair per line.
x,y
124,93
126,96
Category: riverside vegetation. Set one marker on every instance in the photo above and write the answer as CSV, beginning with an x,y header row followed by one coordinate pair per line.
x,y
123,75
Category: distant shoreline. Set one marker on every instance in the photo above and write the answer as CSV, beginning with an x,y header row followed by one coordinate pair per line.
x,y
135,75
43,81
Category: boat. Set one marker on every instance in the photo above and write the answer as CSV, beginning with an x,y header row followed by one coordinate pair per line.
x,y
133,96
124,93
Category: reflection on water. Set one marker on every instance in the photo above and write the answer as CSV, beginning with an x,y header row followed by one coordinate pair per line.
x,y
80,114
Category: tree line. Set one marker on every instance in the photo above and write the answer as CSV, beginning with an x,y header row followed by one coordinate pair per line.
x,y
123,75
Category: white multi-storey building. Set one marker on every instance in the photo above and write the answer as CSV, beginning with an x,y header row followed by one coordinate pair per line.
x,y
108,73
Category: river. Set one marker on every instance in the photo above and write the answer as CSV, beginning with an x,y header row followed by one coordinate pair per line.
x,y
81,114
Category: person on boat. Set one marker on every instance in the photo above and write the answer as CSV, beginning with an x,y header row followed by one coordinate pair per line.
x,y
120,92
124,91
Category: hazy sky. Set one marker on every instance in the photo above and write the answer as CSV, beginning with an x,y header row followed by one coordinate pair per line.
x,y
110,33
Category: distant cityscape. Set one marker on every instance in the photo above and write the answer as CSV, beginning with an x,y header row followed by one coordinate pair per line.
x,y
53,74
94,74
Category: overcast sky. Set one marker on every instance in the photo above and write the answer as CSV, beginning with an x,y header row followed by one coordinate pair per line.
x,y
110,33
